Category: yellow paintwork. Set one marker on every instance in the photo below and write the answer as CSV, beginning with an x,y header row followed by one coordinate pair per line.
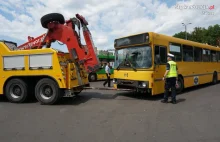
x,y
72,78
59,73
186,69
103,76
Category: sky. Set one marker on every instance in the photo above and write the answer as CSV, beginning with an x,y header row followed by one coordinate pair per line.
x,y
107,20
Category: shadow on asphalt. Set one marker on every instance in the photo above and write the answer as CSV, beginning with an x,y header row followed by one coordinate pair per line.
x,y
86,96
32,99
180,97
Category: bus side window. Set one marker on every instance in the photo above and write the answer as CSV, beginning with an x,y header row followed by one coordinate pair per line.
x,y
206,55
161,52
218,56
197,54
176,50
187,53
213,56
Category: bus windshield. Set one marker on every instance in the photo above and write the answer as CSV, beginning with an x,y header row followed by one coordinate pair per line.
x,y
133,57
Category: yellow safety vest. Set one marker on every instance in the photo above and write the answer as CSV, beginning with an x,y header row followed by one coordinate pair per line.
x,y
173,71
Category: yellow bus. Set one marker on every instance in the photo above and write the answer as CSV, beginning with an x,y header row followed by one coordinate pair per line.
x,y
140,62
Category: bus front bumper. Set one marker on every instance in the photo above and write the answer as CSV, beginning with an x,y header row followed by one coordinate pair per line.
x,y
139,86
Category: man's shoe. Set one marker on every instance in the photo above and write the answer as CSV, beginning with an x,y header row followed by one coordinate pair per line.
x,y
173,102
164,101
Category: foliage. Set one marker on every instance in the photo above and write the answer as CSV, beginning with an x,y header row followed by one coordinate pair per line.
x,y
211,35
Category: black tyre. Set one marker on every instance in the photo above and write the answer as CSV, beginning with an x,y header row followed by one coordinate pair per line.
x,y
47,91
51,18
92,77
16,91
215,78
180,84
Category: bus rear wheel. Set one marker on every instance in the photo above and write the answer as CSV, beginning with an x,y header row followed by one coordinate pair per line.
x,y
215,78
92,77
180,84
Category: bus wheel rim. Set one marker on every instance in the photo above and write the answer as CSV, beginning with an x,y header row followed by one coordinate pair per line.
x,y
179,85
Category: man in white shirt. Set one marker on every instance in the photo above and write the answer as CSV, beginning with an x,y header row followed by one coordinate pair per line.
x,y
107,71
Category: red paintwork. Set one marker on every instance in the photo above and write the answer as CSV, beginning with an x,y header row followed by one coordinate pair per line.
x,y
32,42
67,35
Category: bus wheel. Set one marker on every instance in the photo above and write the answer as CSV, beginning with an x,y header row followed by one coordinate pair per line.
x,y
215,78
16,91
92,77
180,84
47,91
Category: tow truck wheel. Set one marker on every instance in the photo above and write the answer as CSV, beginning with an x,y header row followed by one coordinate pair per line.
x,y
47,91
16,91
52,17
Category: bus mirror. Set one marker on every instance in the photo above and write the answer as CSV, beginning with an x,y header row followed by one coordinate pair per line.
x,y
157,59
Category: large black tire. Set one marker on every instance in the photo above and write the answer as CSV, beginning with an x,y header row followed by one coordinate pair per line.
x,y
92,77
215,78
47,91
181,85
16,90
50,18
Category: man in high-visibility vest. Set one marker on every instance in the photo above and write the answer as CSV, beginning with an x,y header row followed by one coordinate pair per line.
x,y
171,78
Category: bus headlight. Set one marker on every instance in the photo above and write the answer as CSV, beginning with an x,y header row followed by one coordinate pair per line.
x,y
114,80
143,84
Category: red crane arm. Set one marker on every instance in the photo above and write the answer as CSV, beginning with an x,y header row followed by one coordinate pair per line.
x,y
32,43
64,31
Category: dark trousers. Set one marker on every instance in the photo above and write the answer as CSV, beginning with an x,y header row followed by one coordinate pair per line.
x,y
107,80
170,83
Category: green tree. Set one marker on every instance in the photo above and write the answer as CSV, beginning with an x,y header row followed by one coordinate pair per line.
x,y
182,35
198,35
211,35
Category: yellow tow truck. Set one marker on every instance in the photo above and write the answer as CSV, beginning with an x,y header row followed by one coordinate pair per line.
x,y
47,73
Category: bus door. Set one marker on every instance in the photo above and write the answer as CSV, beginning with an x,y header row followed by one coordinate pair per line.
x,y
160,60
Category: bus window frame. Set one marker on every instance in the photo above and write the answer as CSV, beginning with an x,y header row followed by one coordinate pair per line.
x,y
201,49
181,49
218,56
209,56
183,52
211,51
163,46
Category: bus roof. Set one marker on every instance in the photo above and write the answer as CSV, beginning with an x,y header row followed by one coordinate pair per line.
x,y
176,40
183,41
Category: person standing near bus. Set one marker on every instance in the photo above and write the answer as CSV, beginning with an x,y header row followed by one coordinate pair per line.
x,y
107,71
171,78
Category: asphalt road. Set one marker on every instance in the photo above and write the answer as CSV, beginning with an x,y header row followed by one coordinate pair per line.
x,y
110,116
